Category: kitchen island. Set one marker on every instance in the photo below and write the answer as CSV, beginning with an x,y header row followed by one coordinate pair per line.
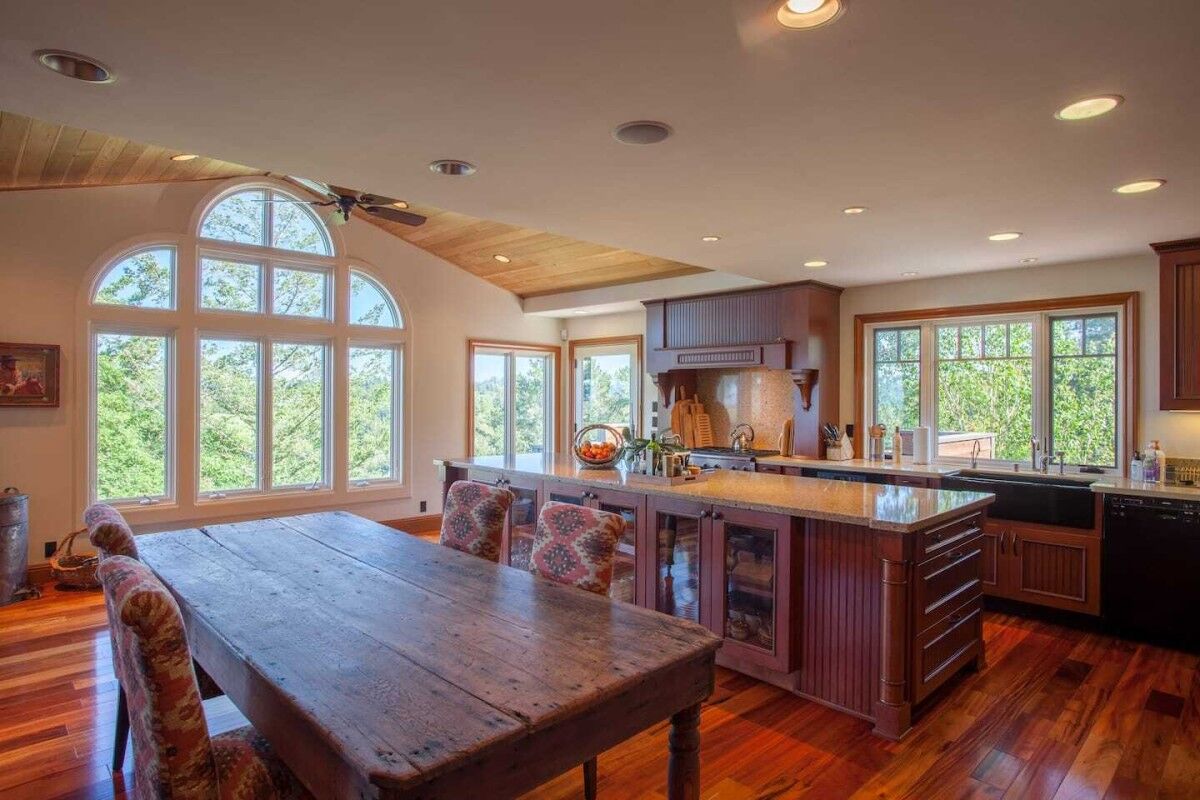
x,y
864,597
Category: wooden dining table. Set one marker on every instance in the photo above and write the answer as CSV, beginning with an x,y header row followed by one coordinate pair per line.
x,y
379,665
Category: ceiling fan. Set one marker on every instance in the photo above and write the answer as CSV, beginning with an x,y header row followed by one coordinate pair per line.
x,y
343,201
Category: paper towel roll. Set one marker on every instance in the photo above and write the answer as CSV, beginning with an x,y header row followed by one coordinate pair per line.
x,y
920,445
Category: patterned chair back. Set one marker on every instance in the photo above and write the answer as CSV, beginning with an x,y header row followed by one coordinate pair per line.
x,y
173,756
576,545
109,532
473,518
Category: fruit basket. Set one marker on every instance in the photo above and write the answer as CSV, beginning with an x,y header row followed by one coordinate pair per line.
x,y
598,447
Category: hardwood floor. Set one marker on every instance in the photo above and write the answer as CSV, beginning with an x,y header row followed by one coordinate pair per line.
x,y
1057,713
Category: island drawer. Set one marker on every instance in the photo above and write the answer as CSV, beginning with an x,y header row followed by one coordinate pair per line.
x,y
946,647
948,580
940,538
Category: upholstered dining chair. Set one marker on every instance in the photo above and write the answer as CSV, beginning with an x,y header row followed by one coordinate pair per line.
x,y
577,546
473,518
111,535
173,754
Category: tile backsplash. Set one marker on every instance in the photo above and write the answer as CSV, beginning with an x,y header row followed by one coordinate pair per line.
x,y
761,397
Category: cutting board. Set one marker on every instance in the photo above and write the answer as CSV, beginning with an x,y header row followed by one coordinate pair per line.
x,y
701,424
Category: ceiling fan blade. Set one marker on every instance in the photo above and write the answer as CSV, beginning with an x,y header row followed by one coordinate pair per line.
x,y
395,215
379,200
315,186
342,191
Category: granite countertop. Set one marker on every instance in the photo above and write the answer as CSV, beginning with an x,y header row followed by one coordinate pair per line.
x,y
890,508
1126,486
863,465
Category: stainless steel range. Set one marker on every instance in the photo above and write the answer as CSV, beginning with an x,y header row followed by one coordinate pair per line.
x,y
728,458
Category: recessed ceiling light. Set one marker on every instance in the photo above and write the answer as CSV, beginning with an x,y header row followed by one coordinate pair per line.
x,y
1137,187
400,204
502,258
854,210
710,238
909,274
1007,236
816,264
184,157
802,14
452,166
1089,107
1028,260
73,65
642,131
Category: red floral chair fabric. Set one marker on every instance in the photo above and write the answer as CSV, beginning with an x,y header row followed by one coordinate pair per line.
x,y
173,755
576,545
108,532
473,518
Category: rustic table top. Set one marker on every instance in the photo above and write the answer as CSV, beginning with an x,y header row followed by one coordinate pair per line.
x,y
378,664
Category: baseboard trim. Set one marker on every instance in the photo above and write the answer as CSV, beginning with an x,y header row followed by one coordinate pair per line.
x,y
427,523
37,574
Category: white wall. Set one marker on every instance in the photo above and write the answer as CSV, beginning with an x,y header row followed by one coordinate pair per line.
x,y
1179,432
50,238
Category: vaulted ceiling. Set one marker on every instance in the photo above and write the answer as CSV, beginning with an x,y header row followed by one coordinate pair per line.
x,y
35,154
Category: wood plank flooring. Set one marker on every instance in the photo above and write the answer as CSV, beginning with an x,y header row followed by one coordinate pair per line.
x,y
1058,713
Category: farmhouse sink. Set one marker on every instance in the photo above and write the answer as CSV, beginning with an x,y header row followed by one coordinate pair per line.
x,y
1041,500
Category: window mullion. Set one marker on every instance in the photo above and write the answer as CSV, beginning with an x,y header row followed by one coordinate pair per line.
x,y
267,423
928,383
1041,381
510,403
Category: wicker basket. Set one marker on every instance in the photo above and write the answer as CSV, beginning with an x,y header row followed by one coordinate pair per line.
x,y
71,569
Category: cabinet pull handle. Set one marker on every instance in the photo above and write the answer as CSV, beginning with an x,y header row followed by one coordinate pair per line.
x,y
703,514
956,555
1016,542
1002,535
954,619
718,515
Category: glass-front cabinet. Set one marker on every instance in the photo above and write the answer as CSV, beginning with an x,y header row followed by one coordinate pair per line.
x,y
752,590
522,515
677,534
632,508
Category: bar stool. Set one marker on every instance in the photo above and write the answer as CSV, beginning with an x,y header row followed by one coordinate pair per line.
x,y
576,546
473,518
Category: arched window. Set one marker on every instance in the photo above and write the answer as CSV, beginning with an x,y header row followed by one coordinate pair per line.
x,y
370,304
226,366
267,218
145,278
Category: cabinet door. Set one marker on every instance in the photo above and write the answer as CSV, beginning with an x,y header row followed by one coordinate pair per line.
x,y
751,592
992,531
1054,568
628,579
522,519
563,492
676,540
1179,352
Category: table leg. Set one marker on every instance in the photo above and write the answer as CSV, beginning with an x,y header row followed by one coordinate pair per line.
x,y
683,768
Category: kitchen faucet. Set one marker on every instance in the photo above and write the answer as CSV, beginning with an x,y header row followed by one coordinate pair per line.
x,y
975,448
741,436
1033,451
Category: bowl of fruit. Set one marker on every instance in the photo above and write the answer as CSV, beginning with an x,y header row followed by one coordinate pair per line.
x,y
598,446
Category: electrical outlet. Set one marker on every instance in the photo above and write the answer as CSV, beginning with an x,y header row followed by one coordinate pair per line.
x,y
424,505
49,547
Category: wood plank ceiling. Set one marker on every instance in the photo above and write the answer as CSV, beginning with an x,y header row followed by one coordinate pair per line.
x,y
40,155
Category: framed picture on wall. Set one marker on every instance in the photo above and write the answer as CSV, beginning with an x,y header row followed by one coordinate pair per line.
x,y
29,374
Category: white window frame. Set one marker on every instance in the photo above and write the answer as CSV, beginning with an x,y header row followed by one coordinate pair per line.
x,y
511,353
263,370
398,363
96,329
186,323
1041,376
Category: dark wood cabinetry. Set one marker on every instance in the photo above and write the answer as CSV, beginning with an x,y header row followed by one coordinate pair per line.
x,y
1043,565
627,581
728,569
791,327
521,522
1179,324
